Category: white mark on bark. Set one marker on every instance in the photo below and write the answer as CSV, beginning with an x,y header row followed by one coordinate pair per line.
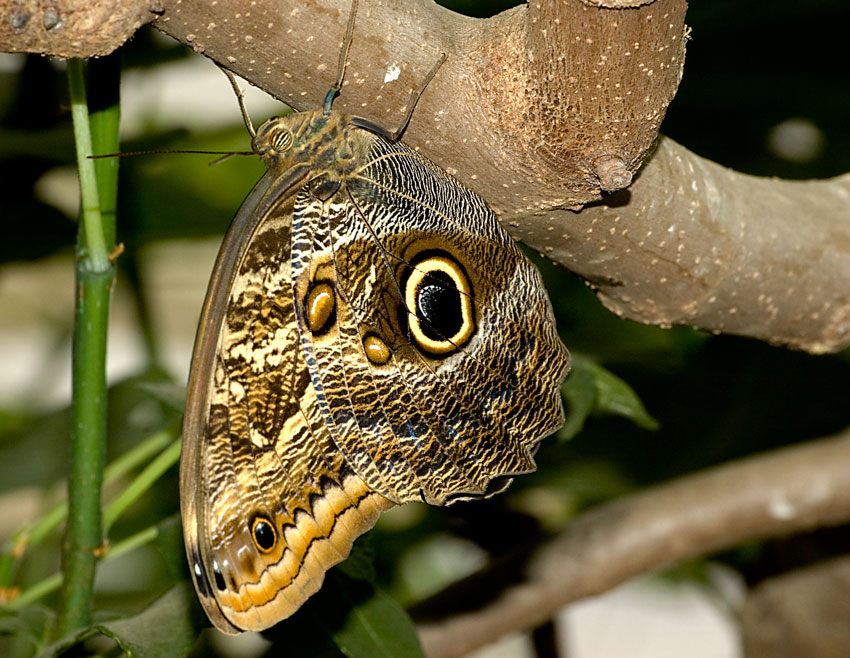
x,y
392,73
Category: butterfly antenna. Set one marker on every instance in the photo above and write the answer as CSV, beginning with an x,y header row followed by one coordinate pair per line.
x,y
343,57
124,154
414,99
240,98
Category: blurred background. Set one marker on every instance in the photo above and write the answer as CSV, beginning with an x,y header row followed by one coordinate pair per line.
x,y
764,92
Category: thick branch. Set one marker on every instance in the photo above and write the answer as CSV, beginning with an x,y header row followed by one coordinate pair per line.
x,y
776,494
540,110
701,245
71,28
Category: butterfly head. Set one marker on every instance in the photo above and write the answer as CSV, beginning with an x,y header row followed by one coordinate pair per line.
x,y
297,136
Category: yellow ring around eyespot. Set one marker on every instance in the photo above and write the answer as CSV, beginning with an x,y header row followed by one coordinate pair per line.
x,y
319,306
376,350
258,520
457,275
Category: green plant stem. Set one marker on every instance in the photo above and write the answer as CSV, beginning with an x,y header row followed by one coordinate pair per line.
x,y
95,273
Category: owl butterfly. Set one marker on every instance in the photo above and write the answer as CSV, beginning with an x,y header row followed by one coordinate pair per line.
x,y
370,336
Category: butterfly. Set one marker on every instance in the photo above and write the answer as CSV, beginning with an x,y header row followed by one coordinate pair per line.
x,y
370,336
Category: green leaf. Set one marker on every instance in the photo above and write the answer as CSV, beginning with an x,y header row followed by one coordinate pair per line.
x,y
360,564
591,389
375,627
579,391
167,628
351,614
169,543
31,624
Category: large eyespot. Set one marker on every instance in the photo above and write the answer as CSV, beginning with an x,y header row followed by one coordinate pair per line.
x,y
376,349
320,307
438,297
264,534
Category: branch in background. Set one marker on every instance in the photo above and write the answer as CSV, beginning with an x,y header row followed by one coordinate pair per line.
x,y
776,494
542,108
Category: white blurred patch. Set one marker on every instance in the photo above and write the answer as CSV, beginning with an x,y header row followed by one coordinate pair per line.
x,y
11,62
191,93
245,645
60,187
651,618
796,140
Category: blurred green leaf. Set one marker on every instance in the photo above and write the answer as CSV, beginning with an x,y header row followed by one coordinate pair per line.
x,y
169,543
591,389
351,616
31,626
375,627
360,564
167,628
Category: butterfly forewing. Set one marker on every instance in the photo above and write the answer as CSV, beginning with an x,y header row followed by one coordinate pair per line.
x,y
256,447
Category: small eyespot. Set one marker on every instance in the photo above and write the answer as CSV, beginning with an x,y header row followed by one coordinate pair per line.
x,y
282,140
376,349
319,307
219,579
265,537
438,297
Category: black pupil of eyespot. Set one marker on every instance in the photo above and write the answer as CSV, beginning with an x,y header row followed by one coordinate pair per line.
x,y
264,535
219,579
438,306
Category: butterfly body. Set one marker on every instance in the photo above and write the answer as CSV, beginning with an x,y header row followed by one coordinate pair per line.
x,y
371,336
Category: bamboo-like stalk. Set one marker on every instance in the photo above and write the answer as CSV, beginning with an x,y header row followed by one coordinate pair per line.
x,y
94,277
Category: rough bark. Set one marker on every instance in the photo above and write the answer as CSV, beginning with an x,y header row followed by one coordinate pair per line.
x,y
543,110
777,494
71,28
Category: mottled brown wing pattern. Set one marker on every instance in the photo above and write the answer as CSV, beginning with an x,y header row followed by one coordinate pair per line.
x,y
440,427
265,455
371,336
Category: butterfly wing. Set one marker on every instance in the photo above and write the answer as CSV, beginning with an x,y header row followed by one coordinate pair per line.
x,y
465,380
268,502
370,336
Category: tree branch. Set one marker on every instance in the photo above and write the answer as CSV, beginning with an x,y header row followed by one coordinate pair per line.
x,y
779,493
697,244
543,110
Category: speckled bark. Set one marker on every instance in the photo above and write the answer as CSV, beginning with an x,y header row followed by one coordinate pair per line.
x,y
543,110
694,243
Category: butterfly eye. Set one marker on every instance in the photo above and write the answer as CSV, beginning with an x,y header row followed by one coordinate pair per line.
x,y
438,297
264,533
319,307
376,350
281,140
